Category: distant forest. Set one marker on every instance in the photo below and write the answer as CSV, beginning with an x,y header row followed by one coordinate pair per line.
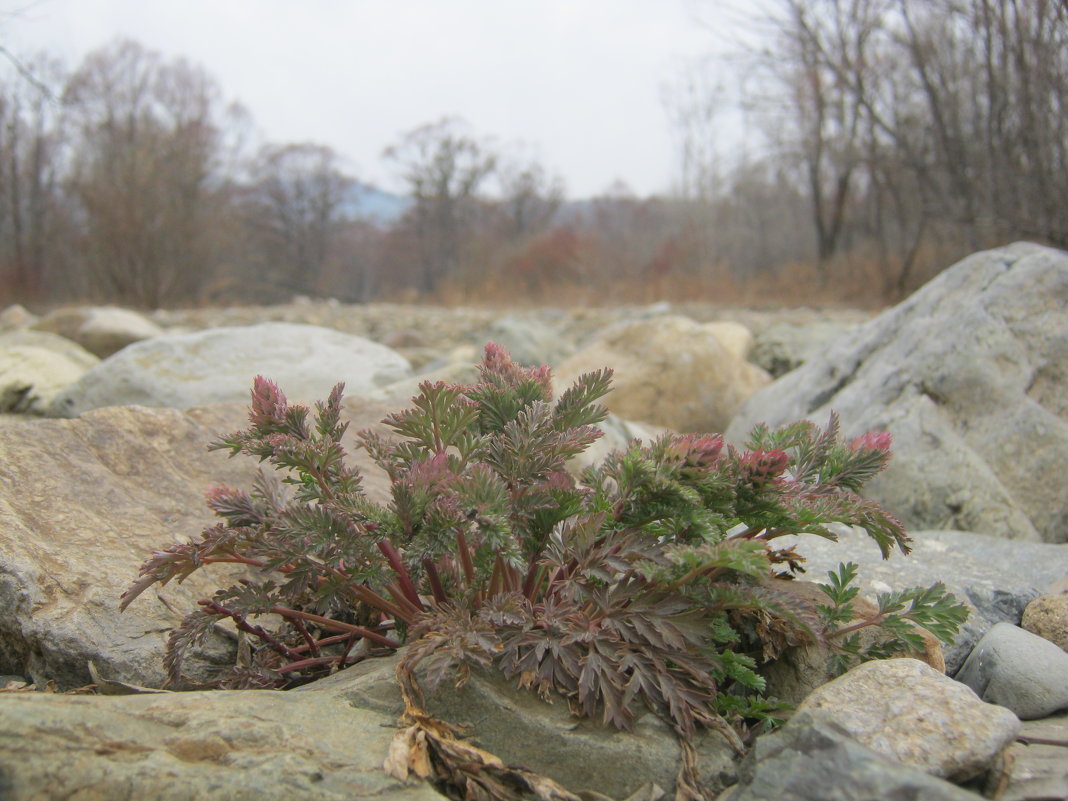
x,y
897,136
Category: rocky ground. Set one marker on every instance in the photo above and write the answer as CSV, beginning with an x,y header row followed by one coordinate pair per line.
x,y
105,417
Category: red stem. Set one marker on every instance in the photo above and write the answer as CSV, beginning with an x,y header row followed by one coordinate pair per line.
x,y
335,625
403,578
435,581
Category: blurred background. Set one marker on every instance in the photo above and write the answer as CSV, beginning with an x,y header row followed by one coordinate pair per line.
x,y
164,154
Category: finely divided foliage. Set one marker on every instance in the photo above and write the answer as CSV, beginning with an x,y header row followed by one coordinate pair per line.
x,y
652,580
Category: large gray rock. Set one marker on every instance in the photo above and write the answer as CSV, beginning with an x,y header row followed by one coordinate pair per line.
x,y
812,758
101,330
1019,670
35,366
970,374
669,371
218,366
997,578
83,503
522,729
910,713
235,745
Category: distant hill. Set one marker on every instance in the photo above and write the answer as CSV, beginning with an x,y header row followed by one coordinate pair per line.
x,y
367,202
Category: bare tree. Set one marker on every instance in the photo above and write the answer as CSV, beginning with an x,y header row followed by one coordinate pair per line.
x,y
444,167
294,206
145,173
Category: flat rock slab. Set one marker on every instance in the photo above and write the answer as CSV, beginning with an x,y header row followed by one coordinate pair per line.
x,y
83,503
521,729
1039,770
236,745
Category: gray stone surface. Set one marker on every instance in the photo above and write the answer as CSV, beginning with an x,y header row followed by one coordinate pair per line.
x,y
910,713
83,503
783,347
232,745
1039,770
35,366
522,729
218,366
532,339
812,758
970,374
996,577
1018,670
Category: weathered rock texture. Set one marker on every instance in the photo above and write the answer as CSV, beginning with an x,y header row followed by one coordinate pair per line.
x,y
813,758
1047,616
970,374
83,503
912,714
236,745
669,371
218,366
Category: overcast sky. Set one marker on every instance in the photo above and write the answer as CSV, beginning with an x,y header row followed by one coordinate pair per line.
x,y
579,82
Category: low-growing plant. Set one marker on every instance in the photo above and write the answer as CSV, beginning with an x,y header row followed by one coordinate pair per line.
x,y
652,579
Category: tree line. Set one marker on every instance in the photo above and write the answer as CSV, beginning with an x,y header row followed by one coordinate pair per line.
x,y
899,136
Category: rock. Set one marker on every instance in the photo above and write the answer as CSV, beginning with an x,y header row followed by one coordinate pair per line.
x,y
101,330
996,577
735,337
783,347
529,339
1019,670
218,366
970,374
910,713
522,729
1047,616
234,745
83,503
617,434
669,371
16,317
802,669
35,366
813,758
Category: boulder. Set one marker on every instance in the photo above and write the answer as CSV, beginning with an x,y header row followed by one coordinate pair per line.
x,y
16,317
970,374
910,713
83,503
101,330
1047,616
1019,670
35,366
813,758
734,336
521,729
782,347
997,578
218,366
669,371
235,745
